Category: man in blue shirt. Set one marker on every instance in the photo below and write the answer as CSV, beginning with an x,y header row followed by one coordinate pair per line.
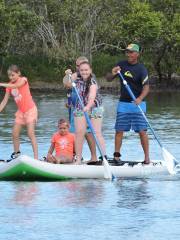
x,y
128,114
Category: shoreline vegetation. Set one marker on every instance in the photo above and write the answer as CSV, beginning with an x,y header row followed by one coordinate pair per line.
x,y
45,37
105,86
44,75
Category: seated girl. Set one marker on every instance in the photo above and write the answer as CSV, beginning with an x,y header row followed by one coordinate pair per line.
x,y
64,144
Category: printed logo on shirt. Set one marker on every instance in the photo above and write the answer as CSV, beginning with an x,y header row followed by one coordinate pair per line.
x,y
15,93
128,74
63,143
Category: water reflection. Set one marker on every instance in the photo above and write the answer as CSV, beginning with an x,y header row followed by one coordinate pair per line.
x,y
133,196
70,193
79,193
25,193
88,209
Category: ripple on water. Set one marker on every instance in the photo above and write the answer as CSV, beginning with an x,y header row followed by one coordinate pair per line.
x,y
135,209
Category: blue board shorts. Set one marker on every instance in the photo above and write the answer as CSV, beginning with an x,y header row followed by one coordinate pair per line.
x,y
129,117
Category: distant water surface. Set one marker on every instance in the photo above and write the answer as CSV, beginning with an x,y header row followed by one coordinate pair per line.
x,y
135,209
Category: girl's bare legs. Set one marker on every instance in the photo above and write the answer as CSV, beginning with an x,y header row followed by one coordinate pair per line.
x,y
15,135
97,125
63,159
31,135
50,158
92,145
80,126
58,159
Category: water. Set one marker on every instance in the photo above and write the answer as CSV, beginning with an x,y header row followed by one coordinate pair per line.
x,y
89,209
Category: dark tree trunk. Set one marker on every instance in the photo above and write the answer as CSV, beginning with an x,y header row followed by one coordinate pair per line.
x,y
157,64
1,65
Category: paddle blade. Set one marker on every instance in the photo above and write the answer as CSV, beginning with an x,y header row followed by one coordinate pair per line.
x,y
107,171
170,161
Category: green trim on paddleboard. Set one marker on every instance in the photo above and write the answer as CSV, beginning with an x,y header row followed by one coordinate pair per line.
x,y
25,172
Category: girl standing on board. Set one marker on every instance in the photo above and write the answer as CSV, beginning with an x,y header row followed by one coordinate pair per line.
x,y
88,90
26,114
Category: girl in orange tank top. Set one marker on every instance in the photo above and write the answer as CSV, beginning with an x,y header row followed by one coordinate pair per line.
x,y
26,114
63,144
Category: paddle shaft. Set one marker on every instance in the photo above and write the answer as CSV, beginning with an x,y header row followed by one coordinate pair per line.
x,y
69,104
134,98
88,121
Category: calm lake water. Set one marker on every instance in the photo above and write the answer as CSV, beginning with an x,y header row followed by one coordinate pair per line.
x,y
87,209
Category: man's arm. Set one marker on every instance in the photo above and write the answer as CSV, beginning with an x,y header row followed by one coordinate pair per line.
x,y
143,94
111,76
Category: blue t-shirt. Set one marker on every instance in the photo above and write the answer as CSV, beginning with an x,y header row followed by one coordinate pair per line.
x,y
136,76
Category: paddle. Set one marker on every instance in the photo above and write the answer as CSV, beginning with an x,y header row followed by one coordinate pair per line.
x,y
5,161
107,171
168,157
2,160
69,104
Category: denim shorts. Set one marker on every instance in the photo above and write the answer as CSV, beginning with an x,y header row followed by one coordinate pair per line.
x,y
127,121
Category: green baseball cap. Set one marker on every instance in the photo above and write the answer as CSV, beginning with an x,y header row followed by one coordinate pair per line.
x,y
133,47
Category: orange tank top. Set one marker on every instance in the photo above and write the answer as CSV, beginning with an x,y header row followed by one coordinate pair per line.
x,y
64,145
22,96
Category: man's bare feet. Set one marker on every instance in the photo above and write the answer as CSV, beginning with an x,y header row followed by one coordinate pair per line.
x,y
146,161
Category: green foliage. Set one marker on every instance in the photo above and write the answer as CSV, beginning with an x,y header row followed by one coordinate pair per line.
x,y
37,68
103,63
16,22
141,23
46,36
166,50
